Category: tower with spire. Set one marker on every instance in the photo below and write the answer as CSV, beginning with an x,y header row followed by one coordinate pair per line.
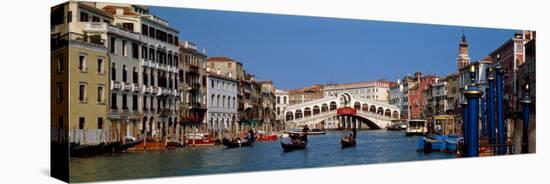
x,y
463,59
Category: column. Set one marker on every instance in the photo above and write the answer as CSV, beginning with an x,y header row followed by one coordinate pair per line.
x,y
501,150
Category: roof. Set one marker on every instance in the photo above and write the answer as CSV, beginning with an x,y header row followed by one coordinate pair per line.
x,y
112,10
220,58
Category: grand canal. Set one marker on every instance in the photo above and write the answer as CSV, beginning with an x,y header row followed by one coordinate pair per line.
x,y
373,146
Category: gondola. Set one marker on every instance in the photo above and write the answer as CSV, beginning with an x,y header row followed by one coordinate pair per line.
x,y
233,144
77,150
294,145
128,144
347,143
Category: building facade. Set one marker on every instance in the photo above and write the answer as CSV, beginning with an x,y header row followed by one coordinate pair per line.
x,y
222,115
281,102
79,76
302,95
371,90
192,77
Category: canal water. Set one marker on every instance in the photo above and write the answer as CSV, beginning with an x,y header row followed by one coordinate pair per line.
x,y
373,146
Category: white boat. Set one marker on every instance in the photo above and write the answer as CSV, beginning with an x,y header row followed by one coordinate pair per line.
x,y
416,127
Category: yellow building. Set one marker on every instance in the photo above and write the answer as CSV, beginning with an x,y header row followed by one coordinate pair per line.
x,y
79,75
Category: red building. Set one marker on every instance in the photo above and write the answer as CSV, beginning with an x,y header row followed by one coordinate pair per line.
x,y
511,55
415,95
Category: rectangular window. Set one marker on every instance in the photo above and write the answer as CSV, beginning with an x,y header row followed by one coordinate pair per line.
x,y
81,123
83,17
99,123
124,102
100,68
59,92
128,26
135,51
60,122
82,92
113,40
113,101
144,29
134,102
144,52
100,95
60,64
176,40
124,47
95,19
82,63
69,16
151,54
229,65
144,103
151,32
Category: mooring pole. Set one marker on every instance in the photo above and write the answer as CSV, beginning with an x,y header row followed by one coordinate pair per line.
x,y
464,106
483,115
526,103
491,106
500,109
472,94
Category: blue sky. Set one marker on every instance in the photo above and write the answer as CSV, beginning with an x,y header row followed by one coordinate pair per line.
x,y
297,51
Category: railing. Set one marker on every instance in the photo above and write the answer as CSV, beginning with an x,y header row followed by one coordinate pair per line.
x,y
116,84
333,113
127,86
95,27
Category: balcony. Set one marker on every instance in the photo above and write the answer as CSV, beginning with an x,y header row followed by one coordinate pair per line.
x,y
153,90
135,88
127,87
145,89
96,27
116,85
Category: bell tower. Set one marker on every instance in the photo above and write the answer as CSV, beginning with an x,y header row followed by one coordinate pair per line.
x,y
463,59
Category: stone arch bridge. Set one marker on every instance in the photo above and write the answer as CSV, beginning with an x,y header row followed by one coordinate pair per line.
x,y
341,111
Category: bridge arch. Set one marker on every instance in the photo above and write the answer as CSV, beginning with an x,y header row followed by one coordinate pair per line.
x,y
316,110
395,114
298,114
380,111
365,107
289,116
372,109
307,112
332,106
387,112
357,105
324,108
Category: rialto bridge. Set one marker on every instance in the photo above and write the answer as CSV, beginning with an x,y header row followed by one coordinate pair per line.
x,y
341,111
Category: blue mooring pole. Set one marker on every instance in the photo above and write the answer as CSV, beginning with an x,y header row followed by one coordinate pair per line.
x,y
526,103
464,106
501,150
472,94
483,119
491,106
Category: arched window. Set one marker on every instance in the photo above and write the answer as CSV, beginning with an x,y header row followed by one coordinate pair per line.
x,y
218,101
324,108
223,101
357,105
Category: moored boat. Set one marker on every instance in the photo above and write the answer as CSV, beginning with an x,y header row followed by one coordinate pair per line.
x,y
199,139
78,150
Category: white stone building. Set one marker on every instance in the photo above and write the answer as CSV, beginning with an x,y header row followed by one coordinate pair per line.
x,y
221,114
372,90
